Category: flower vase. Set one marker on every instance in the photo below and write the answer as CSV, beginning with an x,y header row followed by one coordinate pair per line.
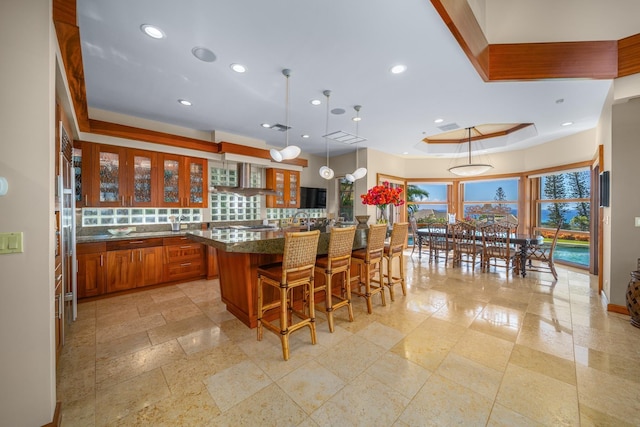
x,y
382,214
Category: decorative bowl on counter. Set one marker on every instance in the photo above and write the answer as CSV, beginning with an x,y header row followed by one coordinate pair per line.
x,y
119,231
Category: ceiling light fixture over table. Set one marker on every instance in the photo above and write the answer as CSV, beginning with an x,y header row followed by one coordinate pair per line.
x,y
470,169
289,151
359,172
325,171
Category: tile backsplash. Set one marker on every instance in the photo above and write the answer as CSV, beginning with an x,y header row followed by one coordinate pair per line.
x,y
96,217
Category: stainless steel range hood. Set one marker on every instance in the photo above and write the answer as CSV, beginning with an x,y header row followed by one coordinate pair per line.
x,y
244,187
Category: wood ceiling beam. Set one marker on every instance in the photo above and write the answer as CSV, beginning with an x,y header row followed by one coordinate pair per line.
x,y
606,59
138,134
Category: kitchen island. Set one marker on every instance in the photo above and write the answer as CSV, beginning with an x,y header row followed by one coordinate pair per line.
x,y
240,252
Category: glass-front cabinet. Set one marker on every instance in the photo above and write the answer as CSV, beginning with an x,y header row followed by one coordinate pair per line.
x,y
111,179
110,176
183,181
196,182
142,167
172,170
286,184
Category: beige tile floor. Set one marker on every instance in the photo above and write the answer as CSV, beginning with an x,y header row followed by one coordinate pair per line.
x,y
462,348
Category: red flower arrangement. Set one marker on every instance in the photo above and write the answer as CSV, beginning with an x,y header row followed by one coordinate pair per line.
x,y
383,195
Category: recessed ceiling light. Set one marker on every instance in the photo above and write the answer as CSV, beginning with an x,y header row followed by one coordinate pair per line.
x,y
356,119
184,102
397,69
266,125
438,121
305,136
315,102
567,123
238,68
338,111
152,31
405,152
203,54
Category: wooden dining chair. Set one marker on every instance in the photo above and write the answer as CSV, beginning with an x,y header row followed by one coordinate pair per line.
x,y
543,255
395,250
295,271
466,246
497,249
368,262
337,262
439,243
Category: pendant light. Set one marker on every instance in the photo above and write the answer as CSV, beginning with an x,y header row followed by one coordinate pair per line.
x,y
325,171
289,151
359,172
470,169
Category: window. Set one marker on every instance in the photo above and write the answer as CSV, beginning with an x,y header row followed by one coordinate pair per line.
x,y
427,202
564,199
493,200
345,197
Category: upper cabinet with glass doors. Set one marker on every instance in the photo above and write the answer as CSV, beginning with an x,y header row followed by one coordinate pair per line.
x,y
286,184
109,176
182,181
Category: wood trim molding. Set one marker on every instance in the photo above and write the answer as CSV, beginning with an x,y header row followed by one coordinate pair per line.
x,y
462,23
57,416
615,308
629,55
71,52
606,59
527,61
261,153
138,134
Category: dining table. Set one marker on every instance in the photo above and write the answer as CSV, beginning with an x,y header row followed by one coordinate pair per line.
x,y
523,241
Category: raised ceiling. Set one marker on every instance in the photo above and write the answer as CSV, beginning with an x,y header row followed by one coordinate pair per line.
x,y
345,46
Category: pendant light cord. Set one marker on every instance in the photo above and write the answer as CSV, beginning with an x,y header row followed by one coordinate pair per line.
x,y
469,145
286,73
327,93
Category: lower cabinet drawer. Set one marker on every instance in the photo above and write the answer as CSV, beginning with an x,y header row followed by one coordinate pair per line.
x,y
184,269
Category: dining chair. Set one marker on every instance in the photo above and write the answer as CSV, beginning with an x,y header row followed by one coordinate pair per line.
x,y
466,247
543,254
337,262
497,248
295,271
395,250
439,243
368,261
413,228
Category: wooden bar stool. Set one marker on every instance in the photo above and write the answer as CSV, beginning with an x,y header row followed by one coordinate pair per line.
x,y
394,249
295,270
337,261
368,261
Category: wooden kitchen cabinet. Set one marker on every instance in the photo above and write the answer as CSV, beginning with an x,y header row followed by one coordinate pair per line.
x,y
286,184
82,173
183,259
133,264
92,269
182,181
109,174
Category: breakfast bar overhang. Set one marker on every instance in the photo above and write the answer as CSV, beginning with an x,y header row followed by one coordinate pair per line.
x,y
239,254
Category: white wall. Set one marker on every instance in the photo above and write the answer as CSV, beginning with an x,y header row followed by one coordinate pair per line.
x,y
625,203
27,371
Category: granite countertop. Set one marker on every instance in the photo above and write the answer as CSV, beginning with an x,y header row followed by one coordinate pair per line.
x,y
262,242
130,236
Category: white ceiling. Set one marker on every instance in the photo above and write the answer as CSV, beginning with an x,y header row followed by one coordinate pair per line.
x,y
346,46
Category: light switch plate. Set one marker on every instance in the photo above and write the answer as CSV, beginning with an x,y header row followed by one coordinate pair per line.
x,y
637,221
10,243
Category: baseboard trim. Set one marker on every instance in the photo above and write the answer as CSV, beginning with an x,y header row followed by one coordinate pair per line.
x,y
57,416
615,308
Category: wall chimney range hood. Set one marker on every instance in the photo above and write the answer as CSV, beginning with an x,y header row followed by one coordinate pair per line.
x,y
244,188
